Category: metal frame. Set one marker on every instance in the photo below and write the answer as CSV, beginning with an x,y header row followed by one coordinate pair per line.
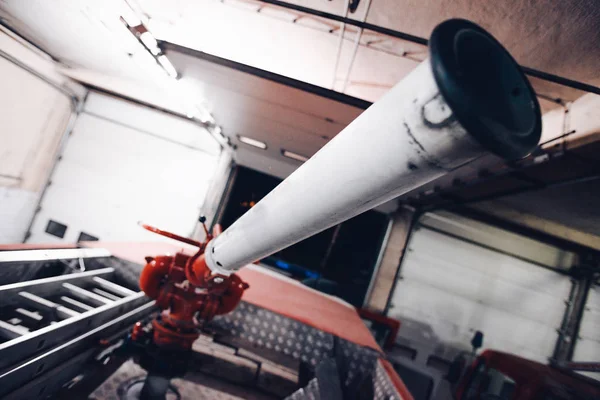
x,y
25,372
49,286
52,380
51,254
25,346
561,344
584,284
231,179
411,228
384,243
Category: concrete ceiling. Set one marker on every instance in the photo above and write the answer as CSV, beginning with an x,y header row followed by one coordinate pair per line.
x,y
560,38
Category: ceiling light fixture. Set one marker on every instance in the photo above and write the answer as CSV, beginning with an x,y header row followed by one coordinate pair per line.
x,y
166,64
219,131
252,142
150,43
130,17
293,156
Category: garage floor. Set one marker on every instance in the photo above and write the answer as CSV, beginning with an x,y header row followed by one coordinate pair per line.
x,y
194,386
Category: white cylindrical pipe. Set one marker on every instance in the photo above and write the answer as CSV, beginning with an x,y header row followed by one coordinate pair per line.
x,y
409,137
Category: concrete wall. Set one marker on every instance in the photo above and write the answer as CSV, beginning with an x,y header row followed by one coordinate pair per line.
x,y
36,106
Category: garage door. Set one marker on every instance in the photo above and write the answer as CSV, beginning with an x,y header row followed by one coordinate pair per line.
x,y
126,163
450,287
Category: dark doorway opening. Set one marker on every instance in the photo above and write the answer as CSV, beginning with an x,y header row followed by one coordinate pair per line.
x,y
338,261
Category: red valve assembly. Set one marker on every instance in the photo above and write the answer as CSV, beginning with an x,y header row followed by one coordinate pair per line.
x,y
187,292
189,295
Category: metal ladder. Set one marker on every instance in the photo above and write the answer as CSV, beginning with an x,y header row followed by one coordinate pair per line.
x,y
43,321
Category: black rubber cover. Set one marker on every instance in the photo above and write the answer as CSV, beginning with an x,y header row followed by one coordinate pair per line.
x,y
486,89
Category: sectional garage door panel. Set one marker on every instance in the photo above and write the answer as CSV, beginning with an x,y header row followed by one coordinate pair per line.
x,y
449,288
114,174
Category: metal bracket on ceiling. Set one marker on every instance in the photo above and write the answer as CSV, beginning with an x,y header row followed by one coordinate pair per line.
x,y
353,5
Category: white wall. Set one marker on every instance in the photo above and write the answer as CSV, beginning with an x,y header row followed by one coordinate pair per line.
x,y
36,104
126,163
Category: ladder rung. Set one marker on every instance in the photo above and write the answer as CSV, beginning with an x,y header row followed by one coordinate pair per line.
x,y
61,311
104,293
86,295
78,304
33,315
118,289
12,331
49,287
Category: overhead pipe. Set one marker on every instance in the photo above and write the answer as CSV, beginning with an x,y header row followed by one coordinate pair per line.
x,y
468,99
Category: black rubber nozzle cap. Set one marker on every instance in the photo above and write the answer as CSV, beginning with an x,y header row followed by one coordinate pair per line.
x,y
486,89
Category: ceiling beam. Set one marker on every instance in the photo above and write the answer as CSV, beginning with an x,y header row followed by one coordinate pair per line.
x,y
534,227
458,202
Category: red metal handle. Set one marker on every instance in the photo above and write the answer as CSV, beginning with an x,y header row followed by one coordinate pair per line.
x,y
171,235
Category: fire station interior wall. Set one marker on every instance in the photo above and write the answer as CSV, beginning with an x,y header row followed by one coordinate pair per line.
x,y
33,117
587,347
450,286
125,163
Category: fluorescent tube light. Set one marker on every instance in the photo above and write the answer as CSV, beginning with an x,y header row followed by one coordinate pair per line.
x,y
130,17
293,156
166,64
150,43
252,142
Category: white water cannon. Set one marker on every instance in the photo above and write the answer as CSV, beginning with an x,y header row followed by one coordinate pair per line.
x,y
469,98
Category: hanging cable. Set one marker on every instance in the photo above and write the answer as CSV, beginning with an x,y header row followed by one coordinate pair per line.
x,y
340,42
356,43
